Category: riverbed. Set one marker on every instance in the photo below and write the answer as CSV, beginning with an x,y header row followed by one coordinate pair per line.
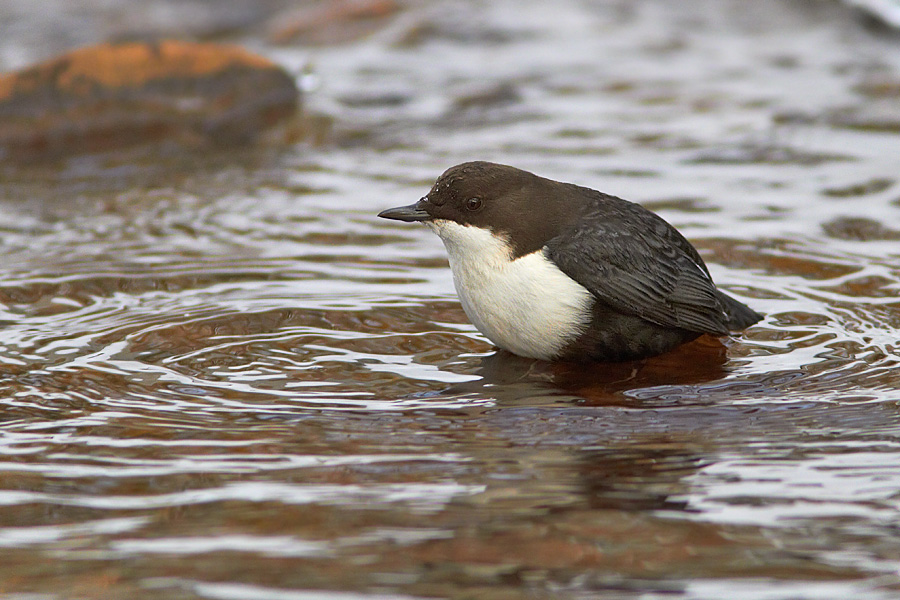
x,y
225,378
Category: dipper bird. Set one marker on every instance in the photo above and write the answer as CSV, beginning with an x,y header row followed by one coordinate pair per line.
x,y
555,271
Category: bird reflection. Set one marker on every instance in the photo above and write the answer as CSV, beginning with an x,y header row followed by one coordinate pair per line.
x,y
642,476
512,379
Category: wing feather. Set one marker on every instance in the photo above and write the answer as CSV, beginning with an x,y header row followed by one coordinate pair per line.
x,y
638,264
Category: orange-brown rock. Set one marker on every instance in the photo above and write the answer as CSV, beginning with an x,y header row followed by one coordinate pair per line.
x,y
116,95
332,21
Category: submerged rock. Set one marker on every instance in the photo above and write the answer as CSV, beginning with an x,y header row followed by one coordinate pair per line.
x,y
859,229
332,21
862,188
886,12
112,96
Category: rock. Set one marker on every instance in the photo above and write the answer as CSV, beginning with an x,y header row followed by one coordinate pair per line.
x,y
859,230
862,188
886,12
332,21
112,96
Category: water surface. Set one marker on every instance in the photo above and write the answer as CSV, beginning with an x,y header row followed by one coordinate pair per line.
x,y
230,380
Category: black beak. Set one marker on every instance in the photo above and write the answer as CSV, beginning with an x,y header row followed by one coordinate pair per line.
x,y
410,214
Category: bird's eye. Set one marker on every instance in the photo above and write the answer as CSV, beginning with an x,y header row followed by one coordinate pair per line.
x,y
473,204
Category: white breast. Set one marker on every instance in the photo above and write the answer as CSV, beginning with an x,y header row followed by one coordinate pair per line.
x,y
527,306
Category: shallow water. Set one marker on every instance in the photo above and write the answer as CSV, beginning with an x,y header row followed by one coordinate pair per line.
x,y
230,380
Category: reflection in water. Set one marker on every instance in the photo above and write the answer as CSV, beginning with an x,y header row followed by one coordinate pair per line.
x,y
697,362
235,382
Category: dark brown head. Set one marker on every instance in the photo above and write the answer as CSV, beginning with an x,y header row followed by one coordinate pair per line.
x,y
519,206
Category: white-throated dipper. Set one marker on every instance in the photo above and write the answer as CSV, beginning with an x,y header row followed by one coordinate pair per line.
x,y
556,271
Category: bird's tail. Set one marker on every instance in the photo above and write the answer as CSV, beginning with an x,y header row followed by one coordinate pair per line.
x,y
740,316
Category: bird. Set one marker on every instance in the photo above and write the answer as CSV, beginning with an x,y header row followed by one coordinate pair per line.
x,y
555,271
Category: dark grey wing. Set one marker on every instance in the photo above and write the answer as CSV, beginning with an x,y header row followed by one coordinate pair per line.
x,y
636,263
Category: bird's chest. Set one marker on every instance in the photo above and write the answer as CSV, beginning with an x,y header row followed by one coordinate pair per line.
x,y
527,306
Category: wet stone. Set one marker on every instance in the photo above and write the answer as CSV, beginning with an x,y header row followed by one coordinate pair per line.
x,y
456,24
864,188
765,154
688,205
485,97
859,229
332,22
880,116
112,96
880,86
377,100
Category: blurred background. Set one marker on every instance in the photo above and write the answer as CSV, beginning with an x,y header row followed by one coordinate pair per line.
x,y
222,377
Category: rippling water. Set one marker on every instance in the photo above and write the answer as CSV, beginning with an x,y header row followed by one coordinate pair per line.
x,y
235,382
